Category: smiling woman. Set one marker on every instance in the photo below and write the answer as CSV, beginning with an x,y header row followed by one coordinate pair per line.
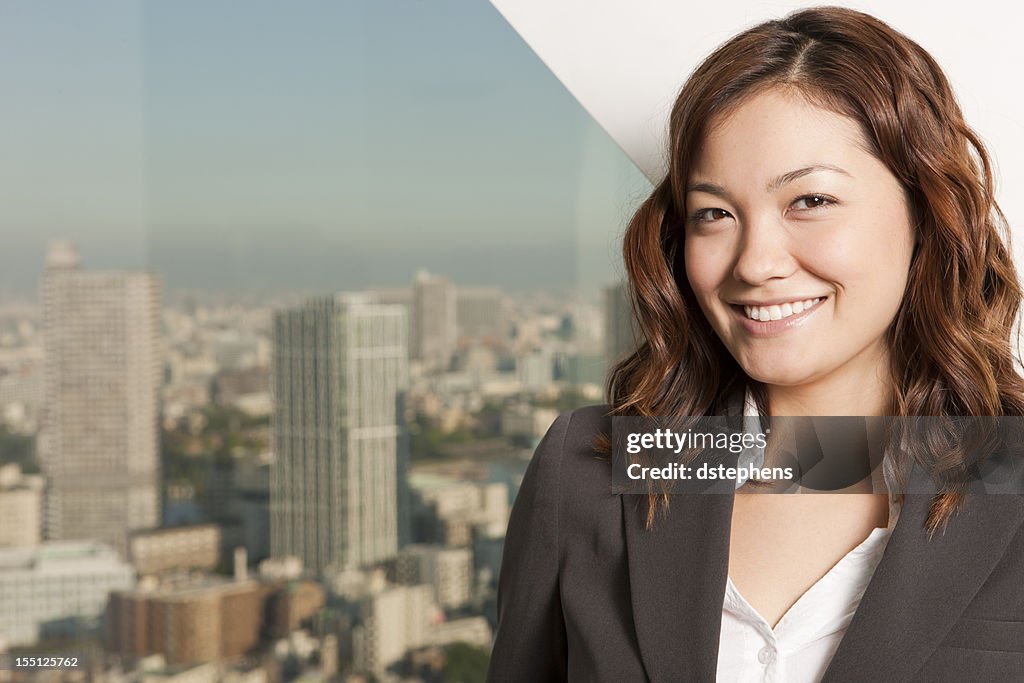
x,y
825,243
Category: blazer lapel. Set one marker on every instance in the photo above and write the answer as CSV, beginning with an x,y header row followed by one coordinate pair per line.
x,y
920,587
677,577
678,570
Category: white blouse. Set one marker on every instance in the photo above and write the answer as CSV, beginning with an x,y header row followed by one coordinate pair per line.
x,y
800,647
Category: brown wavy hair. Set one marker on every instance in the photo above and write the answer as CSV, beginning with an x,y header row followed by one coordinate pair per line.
x,y
951,340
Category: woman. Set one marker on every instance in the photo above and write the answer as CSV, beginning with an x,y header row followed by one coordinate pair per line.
x,y
826,242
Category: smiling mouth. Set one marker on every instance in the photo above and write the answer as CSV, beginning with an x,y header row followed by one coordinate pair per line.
x,y
778,311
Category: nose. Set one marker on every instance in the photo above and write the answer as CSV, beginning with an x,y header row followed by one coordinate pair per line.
x,y
765,252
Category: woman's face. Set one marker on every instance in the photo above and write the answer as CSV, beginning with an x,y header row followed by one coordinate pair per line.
x,y
798,242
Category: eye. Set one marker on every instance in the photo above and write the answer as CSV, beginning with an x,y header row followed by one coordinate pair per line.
x,y
814,201
708,215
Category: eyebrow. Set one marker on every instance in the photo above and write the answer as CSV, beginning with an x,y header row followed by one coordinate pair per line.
x,y
774,184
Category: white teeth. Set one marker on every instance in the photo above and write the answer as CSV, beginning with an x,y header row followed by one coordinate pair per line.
x,y
780,311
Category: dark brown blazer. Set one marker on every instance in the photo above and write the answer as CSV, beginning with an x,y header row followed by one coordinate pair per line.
x,y
585,593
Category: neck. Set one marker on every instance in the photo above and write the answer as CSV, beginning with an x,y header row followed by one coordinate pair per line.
x,y
848,391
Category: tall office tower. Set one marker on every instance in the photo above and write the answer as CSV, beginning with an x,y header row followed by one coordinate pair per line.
x,y
433,320
338,484
98,440
480,311
620,335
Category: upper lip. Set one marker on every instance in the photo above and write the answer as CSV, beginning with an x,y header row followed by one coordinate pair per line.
x,y
777,301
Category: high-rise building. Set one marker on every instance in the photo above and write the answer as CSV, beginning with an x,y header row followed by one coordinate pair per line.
x,y
480,311
620,329
337,490
433,320
98,440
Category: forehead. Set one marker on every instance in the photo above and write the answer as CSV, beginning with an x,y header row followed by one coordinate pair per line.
x,y
776,131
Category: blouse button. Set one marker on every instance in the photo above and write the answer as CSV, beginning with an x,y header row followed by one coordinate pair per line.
x,y
766,655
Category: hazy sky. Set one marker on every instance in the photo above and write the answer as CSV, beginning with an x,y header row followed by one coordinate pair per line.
x,y
304,145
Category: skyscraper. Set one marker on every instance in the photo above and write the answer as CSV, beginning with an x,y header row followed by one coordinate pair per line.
x,y
337,485
98,440
433,320
480,311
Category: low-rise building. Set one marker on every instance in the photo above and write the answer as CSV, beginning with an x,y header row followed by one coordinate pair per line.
x,y
184,547
448,571
394,621
187,622
21,507
57,588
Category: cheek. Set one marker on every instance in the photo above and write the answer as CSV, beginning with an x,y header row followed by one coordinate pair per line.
x,y
868,263
706,269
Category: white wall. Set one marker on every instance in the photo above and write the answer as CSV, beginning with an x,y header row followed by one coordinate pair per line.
x,y
625,61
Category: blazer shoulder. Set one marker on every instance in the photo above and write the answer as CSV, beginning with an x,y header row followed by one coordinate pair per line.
x,y
567,453
584,424
579,428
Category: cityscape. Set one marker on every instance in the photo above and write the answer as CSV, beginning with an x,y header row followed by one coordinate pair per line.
x,y
289,295
312,489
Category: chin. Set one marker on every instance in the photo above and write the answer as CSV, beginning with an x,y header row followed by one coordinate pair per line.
x,y
785,374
